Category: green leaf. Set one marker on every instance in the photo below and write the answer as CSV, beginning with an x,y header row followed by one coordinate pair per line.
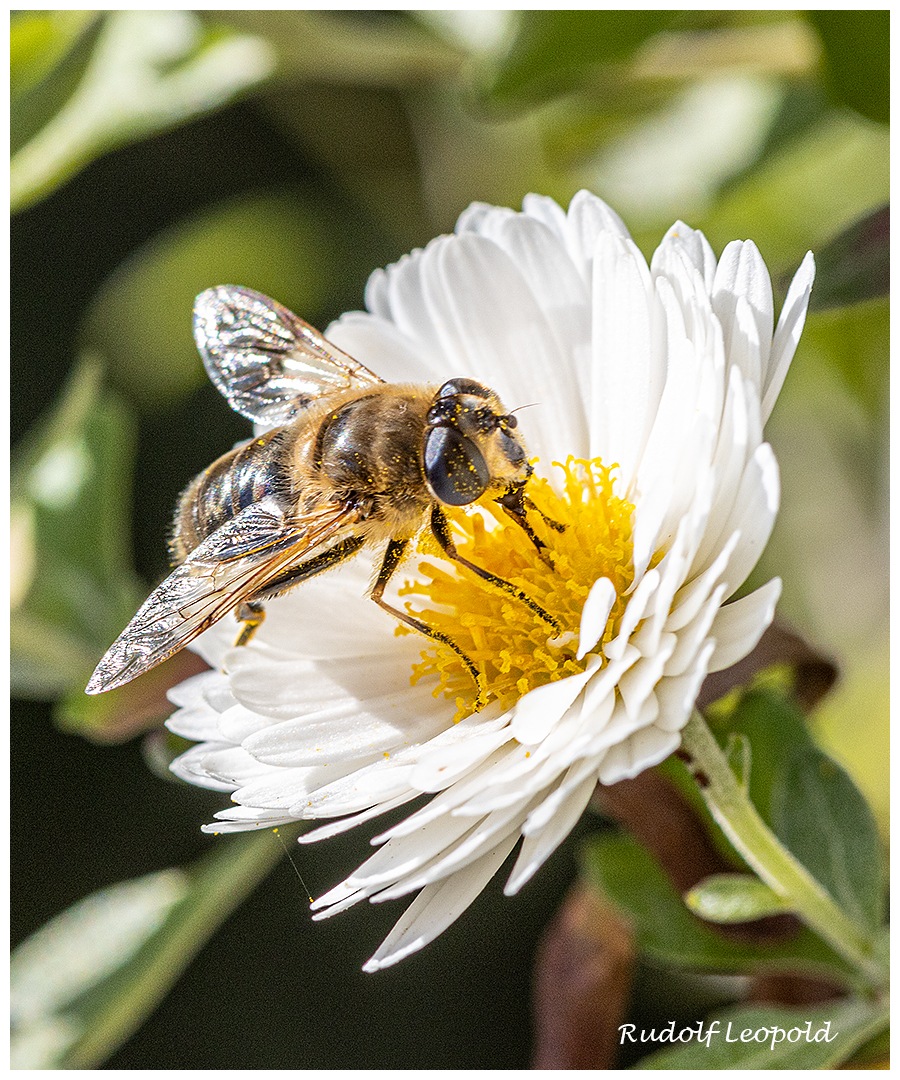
x,y
148,71
667,931
278,243
49,51
855,265
777,1038
733,898
811,804
820,816
854,342
554,48
856,58
340,47
72,583
87,980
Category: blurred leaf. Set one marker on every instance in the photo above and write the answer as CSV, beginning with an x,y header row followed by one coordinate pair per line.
x,y
826,177
811,804
856,265
49,51
875,1053
277,243
853,341
856,59
817,1046
87,980
733,898
72,584
385,48
129,710
553,49
149,71
666,930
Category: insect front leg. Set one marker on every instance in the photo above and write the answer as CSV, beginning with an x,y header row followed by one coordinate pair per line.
x,y
441,529
514,502
392,557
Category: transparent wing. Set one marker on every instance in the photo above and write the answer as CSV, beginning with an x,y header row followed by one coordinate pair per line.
x,y
230,566
268,363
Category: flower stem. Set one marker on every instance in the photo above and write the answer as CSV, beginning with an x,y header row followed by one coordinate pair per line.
x,y
739,819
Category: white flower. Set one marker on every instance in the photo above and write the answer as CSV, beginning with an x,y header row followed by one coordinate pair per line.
x,y
659,380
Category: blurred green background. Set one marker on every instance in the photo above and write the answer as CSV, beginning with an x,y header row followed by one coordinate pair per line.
x,y
158,153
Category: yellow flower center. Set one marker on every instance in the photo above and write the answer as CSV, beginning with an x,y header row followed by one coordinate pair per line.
x,y
514,648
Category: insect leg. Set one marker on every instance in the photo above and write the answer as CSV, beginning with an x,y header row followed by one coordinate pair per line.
x,y
251,613
392,557
514,503
441,530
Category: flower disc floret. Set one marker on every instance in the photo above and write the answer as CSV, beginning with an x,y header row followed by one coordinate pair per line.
x,y
515,650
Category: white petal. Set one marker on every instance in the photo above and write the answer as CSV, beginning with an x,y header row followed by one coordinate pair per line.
x,y
739,436
200,723
738,626
344,728
490,831
475,780
594,615
753,515
283,689
489,316
634,612
693,596
628,355
676,695
383,348
333,828
189,767
541,258
683,242
537,848
191,692
638,682
691,637
437,906
587,219
743,345
535,714
787,333
440,766
645,748
348,794
404,856
377,300
575,778
282,789
546,210
742,273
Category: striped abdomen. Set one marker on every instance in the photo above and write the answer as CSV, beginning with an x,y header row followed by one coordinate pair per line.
x,y
243,476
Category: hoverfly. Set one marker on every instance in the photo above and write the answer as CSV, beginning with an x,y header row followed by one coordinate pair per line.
x,y
352,462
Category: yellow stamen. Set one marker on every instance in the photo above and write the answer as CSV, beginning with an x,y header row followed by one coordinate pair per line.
x,y
514,649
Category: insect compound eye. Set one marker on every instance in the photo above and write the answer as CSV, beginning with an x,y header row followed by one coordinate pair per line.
x,y
454,468
463,386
